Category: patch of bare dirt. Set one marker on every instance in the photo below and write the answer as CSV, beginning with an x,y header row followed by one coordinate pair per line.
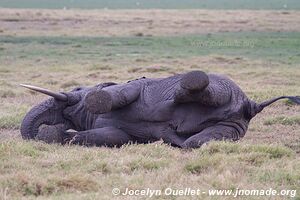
x,y
23,22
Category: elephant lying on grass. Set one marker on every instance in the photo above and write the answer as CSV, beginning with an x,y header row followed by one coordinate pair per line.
x,y
185,110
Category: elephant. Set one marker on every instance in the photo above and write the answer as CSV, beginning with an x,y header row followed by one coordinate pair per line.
x,y
184,110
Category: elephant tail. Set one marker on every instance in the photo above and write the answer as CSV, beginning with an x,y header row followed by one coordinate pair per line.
x,y
261,106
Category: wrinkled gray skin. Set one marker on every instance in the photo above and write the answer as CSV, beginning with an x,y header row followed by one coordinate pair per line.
x,y
185,110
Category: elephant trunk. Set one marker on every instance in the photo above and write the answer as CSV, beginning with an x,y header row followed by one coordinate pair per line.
x,y
49,112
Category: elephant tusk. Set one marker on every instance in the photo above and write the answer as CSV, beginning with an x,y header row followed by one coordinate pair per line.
x,y
58,96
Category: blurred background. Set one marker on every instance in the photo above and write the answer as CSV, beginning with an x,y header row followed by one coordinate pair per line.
x,y
153,4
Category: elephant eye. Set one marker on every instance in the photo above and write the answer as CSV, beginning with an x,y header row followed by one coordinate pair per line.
x,y
77,89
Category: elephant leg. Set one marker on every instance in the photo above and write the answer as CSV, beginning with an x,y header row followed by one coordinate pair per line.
x,y
173,139
107,136
217,132
190,86
112,97
168,136
196,86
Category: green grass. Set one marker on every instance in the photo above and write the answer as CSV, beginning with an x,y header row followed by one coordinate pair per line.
x,y
205,163
62,63
6,93
268,46
146,4
12,115
284,120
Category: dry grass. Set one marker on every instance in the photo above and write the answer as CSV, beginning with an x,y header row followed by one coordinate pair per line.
x,y
142,22
267,157
41,170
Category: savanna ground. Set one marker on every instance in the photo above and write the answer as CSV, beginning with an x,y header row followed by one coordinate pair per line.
x,y
61,49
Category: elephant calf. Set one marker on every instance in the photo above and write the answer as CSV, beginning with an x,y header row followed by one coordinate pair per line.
x,y
184,110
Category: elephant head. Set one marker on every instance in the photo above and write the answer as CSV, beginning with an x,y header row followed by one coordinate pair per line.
x,y
65,109
49,112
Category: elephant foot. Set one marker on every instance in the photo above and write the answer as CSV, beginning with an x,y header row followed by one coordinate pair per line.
x,y
192,85
98,102
51,134
195,80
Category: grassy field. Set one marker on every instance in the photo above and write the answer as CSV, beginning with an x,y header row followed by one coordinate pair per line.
x,y
265,63
284,47
146,4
